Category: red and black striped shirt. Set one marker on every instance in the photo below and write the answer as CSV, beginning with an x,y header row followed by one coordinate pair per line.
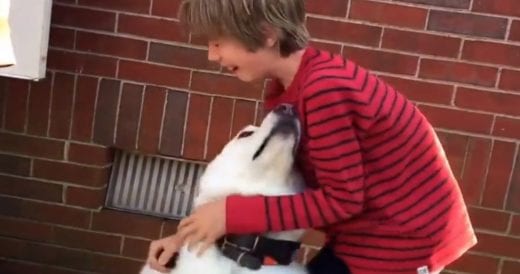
x,y
379,182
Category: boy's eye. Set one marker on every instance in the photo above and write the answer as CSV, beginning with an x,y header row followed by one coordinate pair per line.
x,y
244,134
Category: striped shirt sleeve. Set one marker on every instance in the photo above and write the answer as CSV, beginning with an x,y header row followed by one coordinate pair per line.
x,y
335,156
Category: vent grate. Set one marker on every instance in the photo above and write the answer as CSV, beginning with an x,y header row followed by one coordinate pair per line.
x,y
153,185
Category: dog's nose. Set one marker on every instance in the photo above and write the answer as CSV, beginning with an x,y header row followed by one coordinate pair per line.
x,y
284,109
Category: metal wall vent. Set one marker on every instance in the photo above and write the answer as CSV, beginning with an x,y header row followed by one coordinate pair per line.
x,y
153,185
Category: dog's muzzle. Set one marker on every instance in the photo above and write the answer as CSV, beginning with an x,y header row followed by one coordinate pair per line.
x,y
253,251
287,123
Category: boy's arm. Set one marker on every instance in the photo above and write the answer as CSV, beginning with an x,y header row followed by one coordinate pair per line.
x,y
335,154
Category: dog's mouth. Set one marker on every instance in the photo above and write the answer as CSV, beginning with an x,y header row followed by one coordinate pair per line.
x,y
287,126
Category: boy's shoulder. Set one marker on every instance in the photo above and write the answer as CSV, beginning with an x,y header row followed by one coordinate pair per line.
x,y
323,70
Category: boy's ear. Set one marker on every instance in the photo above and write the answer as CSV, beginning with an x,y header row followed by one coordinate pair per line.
x,y
271,35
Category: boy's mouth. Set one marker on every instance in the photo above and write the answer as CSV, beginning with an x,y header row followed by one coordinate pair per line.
x,y
233,69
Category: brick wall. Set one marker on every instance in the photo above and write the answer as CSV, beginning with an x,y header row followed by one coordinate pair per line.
x,y
123,75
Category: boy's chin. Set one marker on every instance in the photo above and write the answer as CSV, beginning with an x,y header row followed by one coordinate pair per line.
x,y
245,78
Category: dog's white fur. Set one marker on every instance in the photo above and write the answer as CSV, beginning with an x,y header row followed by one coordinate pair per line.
x,y
234,171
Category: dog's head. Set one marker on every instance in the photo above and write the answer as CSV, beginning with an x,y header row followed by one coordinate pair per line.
x,y
265,151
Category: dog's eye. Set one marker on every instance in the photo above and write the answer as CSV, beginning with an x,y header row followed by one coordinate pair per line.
x,y
244,134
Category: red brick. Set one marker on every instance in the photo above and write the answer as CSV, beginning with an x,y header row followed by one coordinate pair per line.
x,y
468,24
30,188
169,228
260,113
482,218
39,106
311,253
173,127
514,33
510,267
44,212
513,201
488,101
458,72
382,61
87,240
129,114
344,31
455,146
510,80
469,121
300,255
489,52
507,127
127,224
219,126
154,74
83,18
71,173
313,238
477,160
82,63
15,165
152,113
31,146
61,37
334,48
422,43
116,265
161,29
25,229
136,248
166,8
16,105
336,8
84,104
61,110
422,91
90,154
68,258
475,264
243,115
515,225
503,7
216,84
3,98
461,4
111,45
84,197
138,6
500,168
181,56
10,248
197,125
21,267
106,111
388,14
498,245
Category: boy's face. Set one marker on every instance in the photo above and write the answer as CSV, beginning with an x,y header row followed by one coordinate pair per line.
x,y
234,56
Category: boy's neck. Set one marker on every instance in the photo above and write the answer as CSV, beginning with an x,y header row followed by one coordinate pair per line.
x,y
287,67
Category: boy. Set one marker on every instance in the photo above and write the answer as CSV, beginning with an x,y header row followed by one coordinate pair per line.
x,y
380,186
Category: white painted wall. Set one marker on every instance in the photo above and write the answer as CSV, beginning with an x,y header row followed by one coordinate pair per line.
x,y
30,23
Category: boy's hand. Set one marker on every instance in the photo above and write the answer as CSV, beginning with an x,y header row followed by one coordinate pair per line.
x,y
161,251
205,225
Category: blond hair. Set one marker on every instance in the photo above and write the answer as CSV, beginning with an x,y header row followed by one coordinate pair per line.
x,y
245,20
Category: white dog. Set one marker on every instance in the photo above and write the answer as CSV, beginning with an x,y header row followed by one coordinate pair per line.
x,y
258,160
